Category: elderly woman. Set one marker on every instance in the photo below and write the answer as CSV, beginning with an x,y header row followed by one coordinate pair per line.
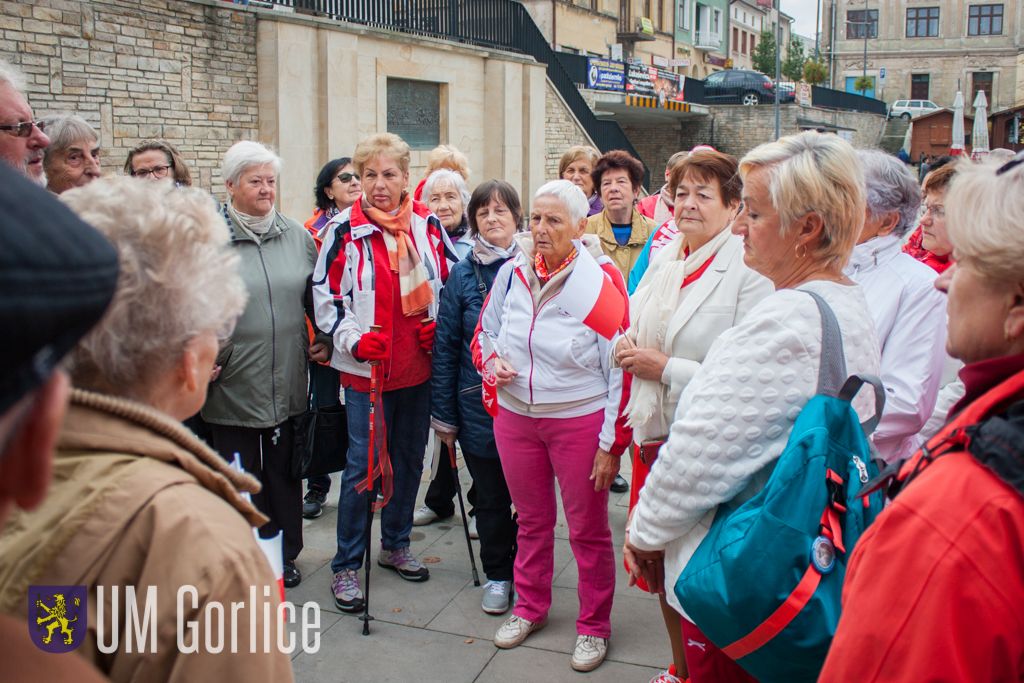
x,y
906,308
576,166
558,399
443,156
949,550
695,288
446,195
262,384
137,500
803,209
156,160
930,243
73,157
457,411
337,188
376,286
622,229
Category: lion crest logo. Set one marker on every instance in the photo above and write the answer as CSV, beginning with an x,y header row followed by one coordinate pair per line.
x,y
56,614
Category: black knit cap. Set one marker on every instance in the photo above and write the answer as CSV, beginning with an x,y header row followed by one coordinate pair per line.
x,y
57,277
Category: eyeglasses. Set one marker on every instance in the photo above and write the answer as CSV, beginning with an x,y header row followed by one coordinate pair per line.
x,y
23,129
1012,163
156,172
347,177
936,210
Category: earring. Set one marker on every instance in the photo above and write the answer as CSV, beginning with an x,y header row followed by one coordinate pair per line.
x,y
801,255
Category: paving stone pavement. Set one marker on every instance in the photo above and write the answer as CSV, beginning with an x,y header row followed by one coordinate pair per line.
x,y
436,631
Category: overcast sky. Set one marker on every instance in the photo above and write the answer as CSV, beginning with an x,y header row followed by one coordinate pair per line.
x,y
803,13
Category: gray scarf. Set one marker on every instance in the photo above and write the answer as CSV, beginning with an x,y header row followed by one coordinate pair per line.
x,y
486,253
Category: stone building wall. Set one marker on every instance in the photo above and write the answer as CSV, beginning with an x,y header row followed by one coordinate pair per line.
x,y
181,70
561,131
655,143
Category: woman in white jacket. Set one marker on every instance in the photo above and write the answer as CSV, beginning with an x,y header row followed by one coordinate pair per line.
x,y
695,288
803,208
558,399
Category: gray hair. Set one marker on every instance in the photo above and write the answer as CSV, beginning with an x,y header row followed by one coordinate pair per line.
x,y
890,187
244,154
12,76
64,130
173,247
571,196
442,176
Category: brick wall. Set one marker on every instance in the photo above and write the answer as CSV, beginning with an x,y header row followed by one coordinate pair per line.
x,y
561,131
655,144
177,69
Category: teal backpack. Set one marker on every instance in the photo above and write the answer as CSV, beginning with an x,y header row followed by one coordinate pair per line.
x,y
765,583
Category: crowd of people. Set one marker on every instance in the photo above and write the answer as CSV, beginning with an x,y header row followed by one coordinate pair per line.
x,y
165,375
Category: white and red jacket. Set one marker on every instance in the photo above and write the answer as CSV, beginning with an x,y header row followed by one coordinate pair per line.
x,y
352,260
558,359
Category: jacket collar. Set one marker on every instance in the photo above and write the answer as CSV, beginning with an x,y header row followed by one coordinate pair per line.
x,y
874,253
238,234
637,238
725,260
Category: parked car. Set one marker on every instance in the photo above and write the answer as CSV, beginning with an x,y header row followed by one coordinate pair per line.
x,y
740,86
908,109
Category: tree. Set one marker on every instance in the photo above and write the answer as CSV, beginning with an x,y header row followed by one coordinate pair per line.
x,y
793,66
815,72
863,84
764,54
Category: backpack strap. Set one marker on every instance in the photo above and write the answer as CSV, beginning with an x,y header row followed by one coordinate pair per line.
x,y
852,386
832,368
480,286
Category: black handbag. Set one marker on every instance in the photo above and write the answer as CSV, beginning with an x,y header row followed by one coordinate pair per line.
x,y
321,441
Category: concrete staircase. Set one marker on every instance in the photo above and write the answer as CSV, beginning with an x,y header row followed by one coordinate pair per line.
x,y
893,134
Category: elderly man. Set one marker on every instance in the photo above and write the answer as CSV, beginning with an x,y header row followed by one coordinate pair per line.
x,y
73,157
22,139
36,235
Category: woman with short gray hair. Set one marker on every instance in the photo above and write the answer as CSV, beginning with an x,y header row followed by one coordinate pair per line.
x,y
907,309
446,195
262,385
73,157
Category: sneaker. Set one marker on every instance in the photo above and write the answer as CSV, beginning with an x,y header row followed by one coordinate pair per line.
x,y
291,575
313,504
348,596
472,529
403,562
667,677
514,631
496,597
589,652
620,485
424,516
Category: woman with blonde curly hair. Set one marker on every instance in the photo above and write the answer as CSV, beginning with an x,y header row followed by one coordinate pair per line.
x,y
136,498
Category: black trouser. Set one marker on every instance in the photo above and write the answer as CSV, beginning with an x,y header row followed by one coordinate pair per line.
x,y
266,454
441,492
325,383
494,522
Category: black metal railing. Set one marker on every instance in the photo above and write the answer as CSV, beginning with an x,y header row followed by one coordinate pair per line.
x,y
826,98
495,24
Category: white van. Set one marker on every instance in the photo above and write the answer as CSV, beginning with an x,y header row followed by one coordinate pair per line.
x,y
911,108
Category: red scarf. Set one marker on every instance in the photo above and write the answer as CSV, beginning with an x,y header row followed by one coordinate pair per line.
x,y
541,268
915,248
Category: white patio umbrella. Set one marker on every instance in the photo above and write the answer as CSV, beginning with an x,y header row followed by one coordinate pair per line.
x,y
979,134
957,146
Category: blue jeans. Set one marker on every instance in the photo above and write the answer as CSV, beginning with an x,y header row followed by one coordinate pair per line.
x,y
406,412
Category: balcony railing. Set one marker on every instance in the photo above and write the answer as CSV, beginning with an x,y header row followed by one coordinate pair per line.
x,y
706,40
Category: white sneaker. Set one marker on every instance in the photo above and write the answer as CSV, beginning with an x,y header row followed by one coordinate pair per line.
x,y
514,631
589,652
496,597
472,529
423,516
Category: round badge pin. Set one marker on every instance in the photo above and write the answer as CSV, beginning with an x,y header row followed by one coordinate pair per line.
x,y
823,554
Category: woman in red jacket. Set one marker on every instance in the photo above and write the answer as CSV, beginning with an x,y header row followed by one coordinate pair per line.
x,y
935,587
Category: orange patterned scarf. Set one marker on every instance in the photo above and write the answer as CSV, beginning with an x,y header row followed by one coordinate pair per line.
x,y
417,294
541,268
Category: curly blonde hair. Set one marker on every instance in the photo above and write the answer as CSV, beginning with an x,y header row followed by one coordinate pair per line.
x,y
386,145
179,278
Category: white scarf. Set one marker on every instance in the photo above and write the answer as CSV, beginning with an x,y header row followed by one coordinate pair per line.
x,y
651,307
257,225
487,253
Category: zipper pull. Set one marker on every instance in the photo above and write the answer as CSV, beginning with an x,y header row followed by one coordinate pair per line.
x,y
862,469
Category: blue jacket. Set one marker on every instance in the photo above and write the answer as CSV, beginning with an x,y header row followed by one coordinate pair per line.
x,y
455,384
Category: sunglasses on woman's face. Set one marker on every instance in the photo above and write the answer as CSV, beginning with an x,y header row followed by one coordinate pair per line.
x,y
347,177
1012,163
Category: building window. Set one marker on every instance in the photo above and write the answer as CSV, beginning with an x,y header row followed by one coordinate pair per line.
x,y
685,10
860,20
752,41
985,20
736,40
922,22
716,22
919,86
661,15
414,112
647,8
981,80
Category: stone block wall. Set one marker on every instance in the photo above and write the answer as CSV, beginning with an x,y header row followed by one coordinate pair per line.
x,y
561,131
655,143
135,69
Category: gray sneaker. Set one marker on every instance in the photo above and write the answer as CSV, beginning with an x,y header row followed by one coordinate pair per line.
x,y
403,562
496,597
348,596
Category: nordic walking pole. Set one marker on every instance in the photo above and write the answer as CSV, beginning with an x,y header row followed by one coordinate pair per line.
x,y
462,508
371,494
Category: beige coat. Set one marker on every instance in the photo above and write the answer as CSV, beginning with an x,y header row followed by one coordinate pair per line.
x,y
624,256
137,500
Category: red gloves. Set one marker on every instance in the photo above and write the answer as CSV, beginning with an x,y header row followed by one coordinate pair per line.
x,y
427,336
372,346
